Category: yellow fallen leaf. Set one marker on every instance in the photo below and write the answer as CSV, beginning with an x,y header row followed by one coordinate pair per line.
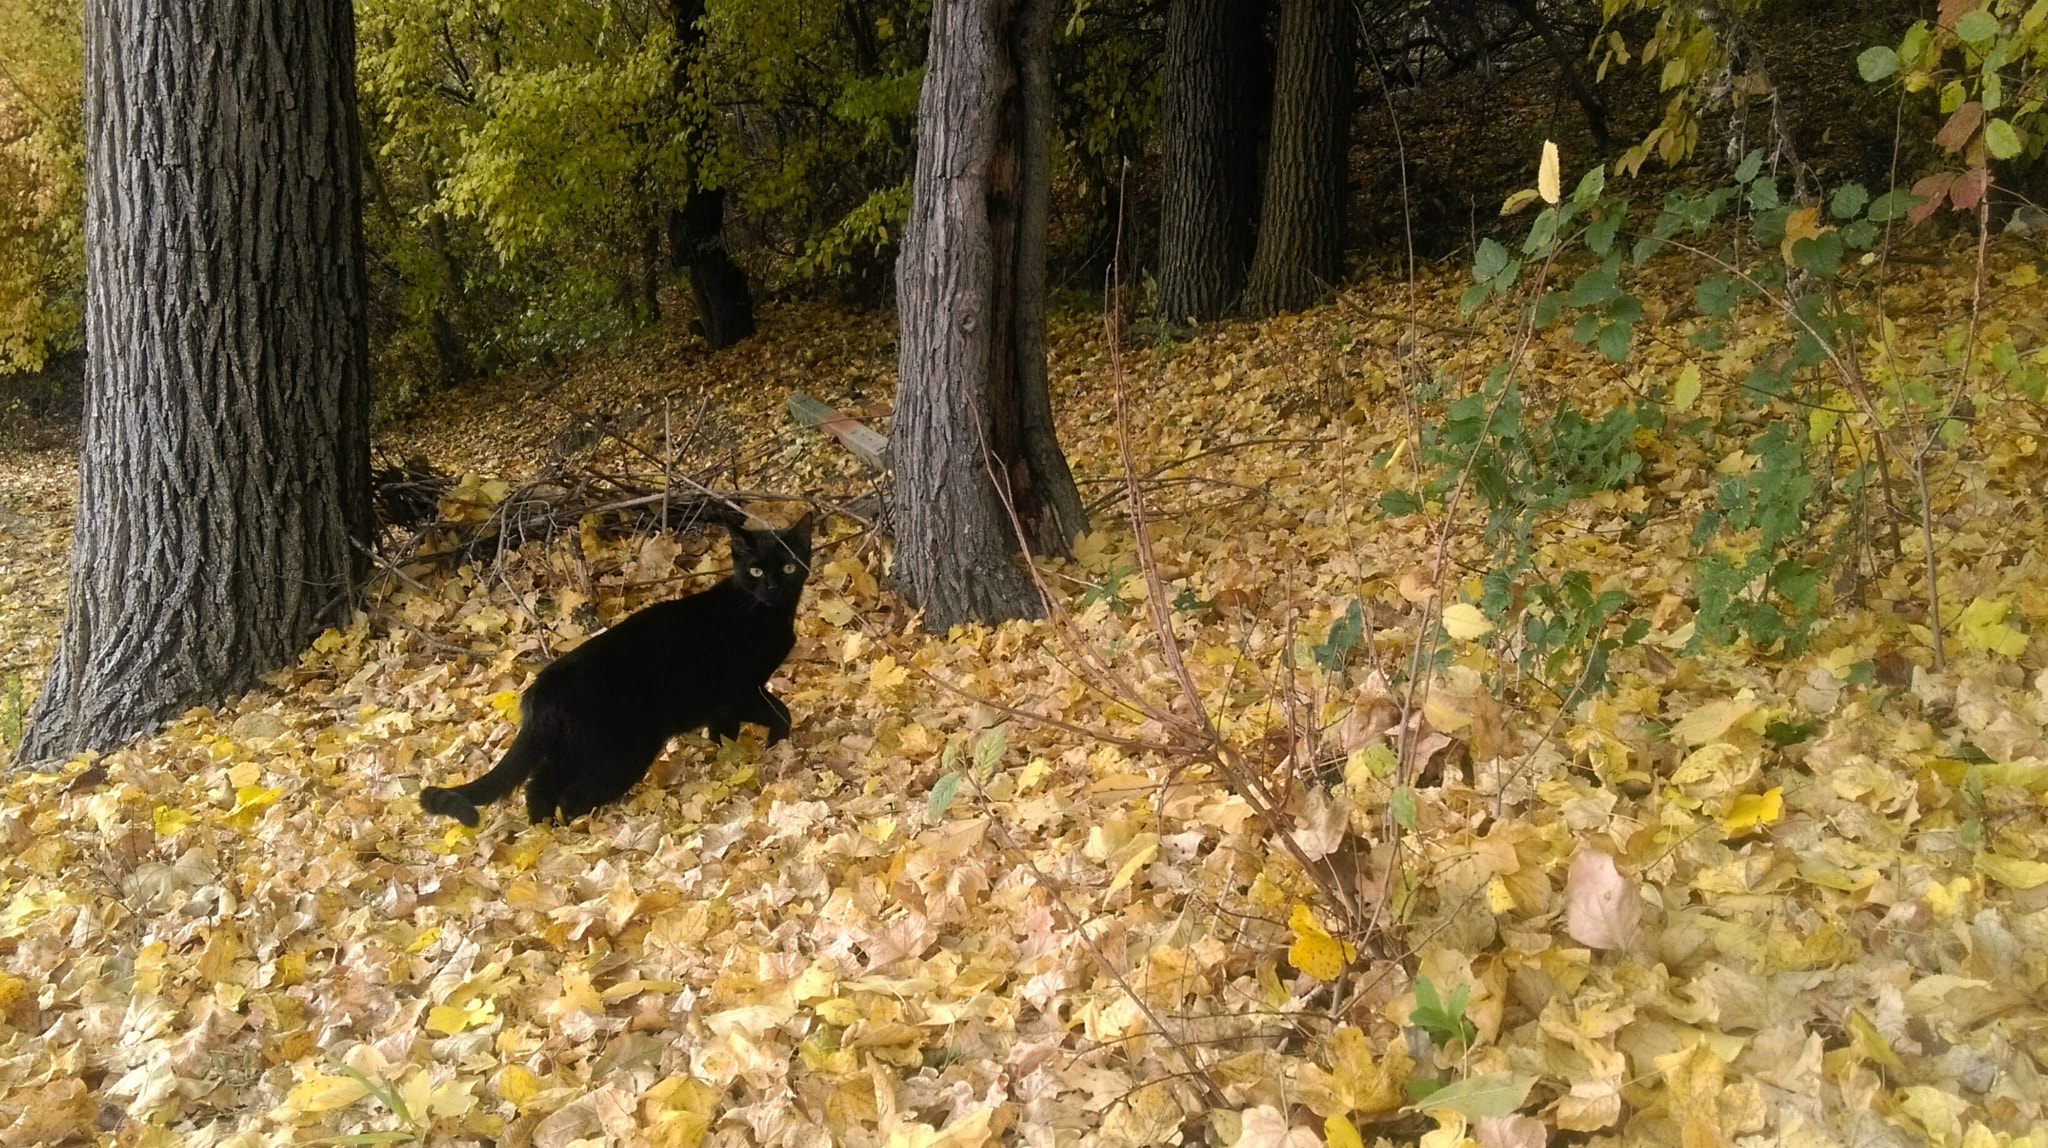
x,y
517,1084
2013,872
1339,1132
506,702
168,821
1465,622
1314,950
217,960
1686,391
624,989
1141,858
1981,626
1712,721
1750,810
326,1093
451,1019
251,800
885,674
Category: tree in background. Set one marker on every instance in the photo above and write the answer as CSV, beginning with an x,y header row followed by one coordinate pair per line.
x,y
696,227
42,182
224,489
1210,106
971,397
1303,210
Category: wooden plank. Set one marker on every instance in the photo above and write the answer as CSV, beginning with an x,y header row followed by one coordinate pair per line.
x,y
863,443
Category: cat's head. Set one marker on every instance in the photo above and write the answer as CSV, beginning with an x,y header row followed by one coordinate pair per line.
x,y
771,565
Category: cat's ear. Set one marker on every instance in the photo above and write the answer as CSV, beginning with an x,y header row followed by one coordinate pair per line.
x,y
800,530
742,539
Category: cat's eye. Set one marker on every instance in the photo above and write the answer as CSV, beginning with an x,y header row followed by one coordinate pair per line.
x,y
754,570
789,567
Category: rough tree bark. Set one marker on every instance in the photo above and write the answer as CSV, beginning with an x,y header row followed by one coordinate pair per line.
x,y
224,476
1209,108
696,229
971,395
1302,212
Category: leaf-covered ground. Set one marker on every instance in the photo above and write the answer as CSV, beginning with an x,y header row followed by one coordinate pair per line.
x,y
1739,899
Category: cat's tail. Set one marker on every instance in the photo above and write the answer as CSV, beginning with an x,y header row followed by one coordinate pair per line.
x,y
460,802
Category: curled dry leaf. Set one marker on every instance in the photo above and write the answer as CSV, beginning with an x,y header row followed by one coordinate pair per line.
x,y
1600,906
1510,1132
1266,1127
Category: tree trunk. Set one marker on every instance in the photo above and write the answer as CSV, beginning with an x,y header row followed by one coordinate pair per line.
x,y
971,396
647,311
1302,214
224,473
696,241
696,228
449,347
1208,140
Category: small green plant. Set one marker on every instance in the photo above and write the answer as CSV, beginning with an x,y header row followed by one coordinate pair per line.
x,y
387,1094
1443,1018
1346,631
989,749
1110,589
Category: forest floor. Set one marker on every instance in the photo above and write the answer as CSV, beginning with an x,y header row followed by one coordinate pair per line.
x,y
1743,897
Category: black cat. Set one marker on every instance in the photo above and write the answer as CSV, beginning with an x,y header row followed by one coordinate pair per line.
x,y
594,719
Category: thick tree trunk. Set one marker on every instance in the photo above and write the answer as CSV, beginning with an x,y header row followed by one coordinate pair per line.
x,y
224,477
696,241
449,346
1208,140
971,396
647,310
1302,214
696,228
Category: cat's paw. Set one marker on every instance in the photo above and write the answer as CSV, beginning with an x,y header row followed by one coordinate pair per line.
x,y
448,803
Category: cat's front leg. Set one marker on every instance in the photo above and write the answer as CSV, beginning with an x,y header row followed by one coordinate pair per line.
x,y
724,727
765,709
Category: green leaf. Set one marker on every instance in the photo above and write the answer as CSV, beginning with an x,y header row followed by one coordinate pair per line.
x,y
1849,199
1716,296
1402,805
1750,165
1473,297
1345,632
1876,63
1819,255
1594,287
2001,139
942,796
1590,185
989,749
1480,1097
1394,503
1977,27
1489,260
1614,340
1600,234
1893,205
